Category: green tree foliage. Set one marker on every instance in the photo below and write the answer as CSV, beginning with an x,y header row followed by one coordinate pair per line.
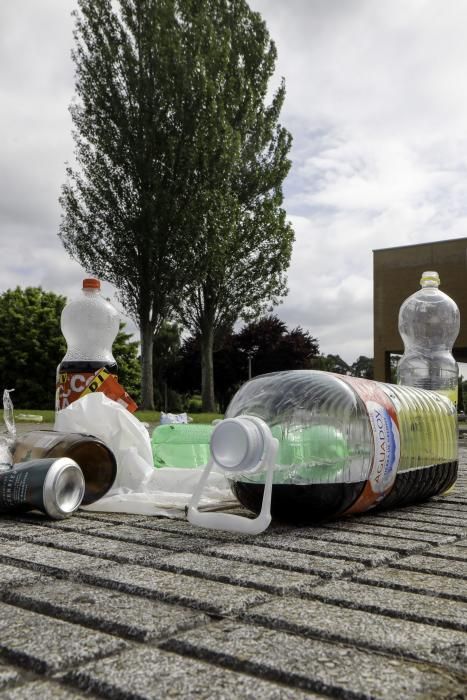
x,y
272,347
245,242
32,345
125,350
166,348
331,363
263,346
176,193
462,394
362,367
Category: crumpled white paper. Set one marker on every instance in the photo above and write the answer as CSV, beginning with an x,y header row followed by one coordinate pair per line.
x,y
138,488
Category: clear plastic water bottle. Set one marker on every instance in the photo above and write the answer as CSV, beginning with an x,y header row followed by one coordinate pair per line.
x,y
345,444
429,325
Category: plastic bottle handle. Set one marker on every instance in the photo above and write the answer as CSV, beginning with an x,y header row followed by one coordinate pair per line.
x,y
238,523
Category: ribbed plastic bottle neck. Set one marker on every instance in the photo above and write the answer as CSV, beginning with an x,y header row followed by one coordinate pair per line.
x,y
430,279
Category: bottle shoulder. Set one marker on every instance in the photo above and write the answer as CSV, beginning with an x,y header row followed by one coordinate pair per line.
x,y
428,298
77,366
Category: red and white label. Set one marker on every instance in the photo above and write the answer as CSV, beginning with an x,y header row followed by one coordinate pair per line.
x,y
74,385
386,441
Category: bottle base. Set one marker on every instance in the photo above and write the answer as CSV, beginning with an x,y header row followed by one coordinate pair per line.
x,y
309,504
300,504
419,485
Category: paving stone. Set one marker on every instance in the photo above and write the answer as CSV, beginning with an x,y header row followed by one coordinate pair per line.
x,y
186,528
397,603
110,611
453,551
292,561
402,638
334,668
103,547
199,593
44,645
111,518
378,522
46,559
164,540
44,690
245,574
460,500
294,543
11,576
459,525
8,675
38,521
434,565
370,540
160,674
182,527
446,503
27,533
416,581
446,510
391,531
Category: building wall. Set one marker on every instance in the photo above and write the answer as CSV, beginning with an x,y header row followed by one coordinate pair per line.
x,y
396,275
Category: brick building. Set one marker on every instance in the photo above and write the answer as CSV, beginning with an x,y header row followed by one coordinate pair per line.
x,y
396,275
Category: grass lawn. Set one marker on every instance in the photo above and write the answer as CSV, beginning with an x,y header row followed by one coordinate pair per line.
x,y
48,416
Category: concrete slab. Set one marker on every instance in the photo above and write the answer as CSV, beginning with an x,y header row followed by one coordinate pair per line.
x,y
36,642
314,664
147,674
127,606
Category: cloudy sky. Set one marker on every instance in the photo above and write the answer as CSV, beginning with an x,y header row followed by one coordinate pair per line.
x,y
377,105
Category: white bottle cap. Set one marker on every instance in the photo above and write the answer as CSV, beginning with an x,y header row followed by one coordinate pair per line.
x,y
237,444
240,444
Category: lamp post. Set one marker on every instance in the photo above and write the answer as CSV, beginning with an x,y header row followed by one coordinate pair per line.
x,y
250,354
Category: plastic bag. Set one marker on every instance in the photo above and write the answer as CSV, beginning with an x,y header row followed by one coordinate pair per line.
x,y
138,488
169,418
7,438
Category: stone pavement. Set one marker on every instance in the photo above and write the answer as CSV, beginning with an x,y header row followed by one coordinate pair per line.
x,y
136,607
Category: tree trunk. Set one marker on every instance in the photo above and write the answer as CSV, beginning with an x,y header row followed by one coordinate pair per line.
x,y
207,369
147,375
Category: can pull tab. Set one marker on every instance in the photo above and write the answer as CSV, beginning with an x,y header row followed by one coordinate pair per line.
x,y
238,445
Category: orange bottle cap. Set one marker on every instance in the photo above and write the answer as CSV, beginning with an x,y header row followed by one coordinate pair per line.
x,y
91,283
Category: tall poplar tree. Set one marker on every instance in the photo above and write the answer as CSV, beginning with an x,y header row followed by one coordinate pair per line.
x,y
244,241
175,197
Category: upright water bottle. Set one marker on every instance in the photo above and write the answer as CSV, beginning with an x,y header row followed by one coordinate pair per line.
x,y
314,445
90,325
429,325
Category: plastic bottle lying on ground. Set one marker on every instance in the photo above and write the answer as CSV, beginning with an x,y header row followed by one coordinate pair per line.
x,y
181,445
340,445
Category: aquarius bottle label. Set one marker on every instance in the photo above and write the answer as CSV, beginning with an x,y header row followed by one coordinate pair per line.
x,y
386,441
